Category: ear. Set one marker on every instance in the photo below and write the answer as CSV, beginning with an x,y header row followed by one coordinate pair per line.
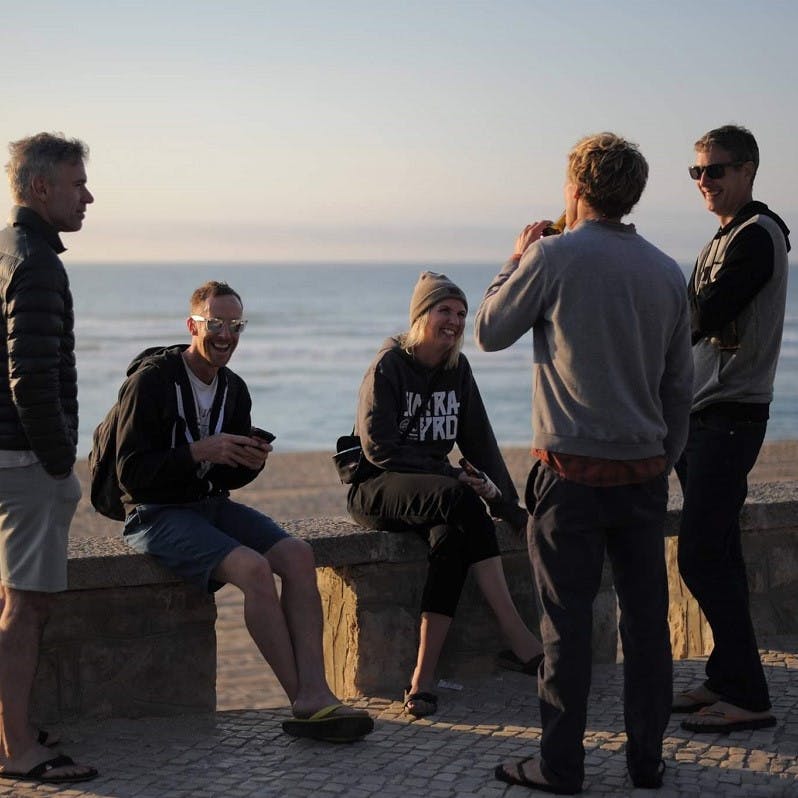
x,y
39,187
192,326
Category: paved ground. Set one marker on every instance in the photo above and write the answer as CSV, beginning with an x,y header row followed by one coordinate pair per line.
x,y
242,752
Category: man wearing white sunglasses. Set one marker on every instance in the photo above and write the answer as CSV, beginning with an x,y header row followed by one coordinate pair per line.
x,y
184,440
737,296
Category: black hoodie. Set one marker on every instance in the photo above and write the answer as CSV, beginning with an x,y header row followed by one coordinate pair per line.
x,y
390,392
157,422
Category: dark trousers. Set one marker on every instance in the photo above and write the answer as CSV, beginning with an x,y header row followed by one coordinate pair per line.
x,y
445,511
570,529
713,471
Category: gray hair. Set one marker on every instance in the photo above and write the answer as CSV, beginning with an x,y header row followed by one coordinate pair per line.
x,y
38,156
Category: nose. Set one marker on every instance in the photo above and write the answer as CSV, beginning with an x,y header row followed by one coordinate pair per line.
x,y
88,197
704,179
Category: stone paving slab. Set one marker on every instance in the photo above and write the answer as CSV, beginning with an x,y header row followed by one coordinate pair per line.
x,y
243,753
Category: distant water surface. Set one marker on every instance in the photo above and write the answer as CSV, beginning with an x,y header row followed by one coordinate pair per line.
x,y
312,332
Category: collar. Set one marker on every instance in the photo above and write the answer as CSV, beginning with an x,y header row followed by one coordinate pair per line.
x,y
22,216
617,227
746,212
754,208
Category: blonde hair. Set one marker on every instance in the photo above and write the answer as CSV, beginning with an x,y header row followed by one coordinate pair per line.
x,y
415,335
610,173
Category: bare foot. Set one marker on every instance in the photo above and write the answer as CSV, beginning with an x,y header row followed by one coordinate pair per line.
x,y
39,764
723,716
694,699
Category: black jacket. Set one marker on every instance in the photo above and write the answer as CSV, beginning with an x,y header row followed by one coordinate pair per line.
x,y
38,383
157,422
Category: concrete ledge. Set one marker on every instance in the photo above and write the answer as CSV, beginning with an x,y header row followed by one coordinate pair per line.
x,y
129,639
110,562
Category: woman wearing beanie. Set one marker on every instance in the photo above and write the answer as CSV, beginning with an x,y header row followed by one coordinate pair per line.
x,y
417,400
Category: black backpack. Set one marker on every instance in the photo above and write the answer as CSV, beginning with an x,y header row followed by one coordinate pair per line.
x,y
106,495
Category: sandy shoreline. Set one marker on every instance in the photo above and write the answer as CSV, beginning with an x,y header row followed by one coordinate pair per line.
x,y
305,485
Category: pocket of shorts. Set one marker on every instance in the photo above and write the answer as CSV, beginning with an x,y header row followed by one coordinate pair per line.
x,y
68,488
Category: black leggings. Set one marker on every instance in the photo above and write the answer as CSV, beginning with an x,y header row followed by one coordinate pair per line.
x,y
446,512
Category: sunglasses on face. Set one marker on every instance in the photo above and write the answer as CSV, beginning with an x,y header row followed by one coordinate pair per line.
x,y
236,326
714,171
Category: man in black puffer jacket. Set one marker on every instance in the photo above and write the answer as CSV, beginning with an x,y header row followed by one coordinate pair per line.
x,y
38,431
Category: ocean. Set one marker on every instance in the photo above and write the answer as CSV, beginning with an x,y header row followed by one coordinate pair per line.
x,y
313,329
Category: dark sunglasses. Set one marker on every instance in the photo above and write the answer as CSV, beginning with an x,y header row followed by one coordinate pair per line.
x,y
715,171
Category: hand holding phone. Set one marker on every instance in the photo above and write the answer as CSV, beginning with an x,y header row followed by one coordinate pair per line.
x,y
488,490
472,470
262,434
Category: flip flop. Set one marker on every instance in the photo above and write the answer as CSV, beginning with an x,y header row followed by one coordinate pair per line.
x,y
516,776
39,773
509,661
418,699
726,722
330,725
687,702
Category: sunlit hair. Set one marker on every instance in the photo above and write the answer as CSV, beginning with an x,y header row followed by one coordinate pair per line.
x,y
610,173
209,290
38,156
739,142
415,335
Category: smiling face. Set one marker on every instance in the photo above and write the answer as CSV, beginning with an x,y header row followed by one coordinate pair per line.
x,y
210,351
725,196
62,199
444,330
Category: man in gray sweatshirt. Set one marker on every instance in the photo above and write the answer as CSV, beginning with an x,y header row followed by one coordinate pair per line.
x,y
612,390
737,297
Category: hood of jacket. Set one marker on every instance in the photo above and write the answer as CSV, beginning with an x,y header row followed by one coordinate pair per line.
x,y
754,209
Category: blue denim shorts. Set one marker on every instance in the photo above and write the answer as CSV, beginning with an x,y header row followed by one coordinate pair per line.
x,y
191,540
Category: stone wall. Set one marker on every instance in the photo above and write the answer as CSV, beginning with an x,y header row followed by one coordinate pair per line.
x,y
126,640
371,589
769,523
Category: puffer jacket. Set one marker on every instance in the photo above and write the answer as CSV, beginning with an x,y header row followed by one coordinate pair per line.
x,y
38,384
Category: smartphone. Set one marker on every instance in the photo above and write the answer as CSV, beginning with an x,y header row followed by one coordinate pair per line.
x,y
265,435
471,470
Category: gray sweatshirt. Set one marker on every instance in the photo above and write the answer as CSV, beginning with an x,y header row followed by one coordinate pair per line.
x,y
611,335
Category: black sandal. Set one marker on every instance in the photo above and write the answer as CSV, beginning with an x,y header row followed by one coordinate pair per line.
x,y
423,703
509,661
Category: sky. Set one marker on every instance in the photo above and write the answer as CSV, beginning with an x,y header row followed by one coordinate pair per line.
x,y
385,131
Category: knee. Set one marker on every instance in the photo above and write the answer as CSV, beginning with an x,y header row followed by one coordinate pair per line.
x,y
254,575
25,608
293,559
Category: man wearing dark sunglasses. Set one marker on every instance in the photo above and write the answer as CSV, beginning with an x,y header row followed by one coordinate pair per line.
x,y
184,440
737,296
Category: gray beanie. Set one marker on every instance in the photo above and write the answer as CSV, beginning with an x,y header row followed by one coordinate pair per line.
x,y
430,289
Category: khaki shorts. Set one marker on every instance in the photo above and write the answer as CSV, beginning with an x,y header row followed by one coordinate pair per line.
x,y
35,513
